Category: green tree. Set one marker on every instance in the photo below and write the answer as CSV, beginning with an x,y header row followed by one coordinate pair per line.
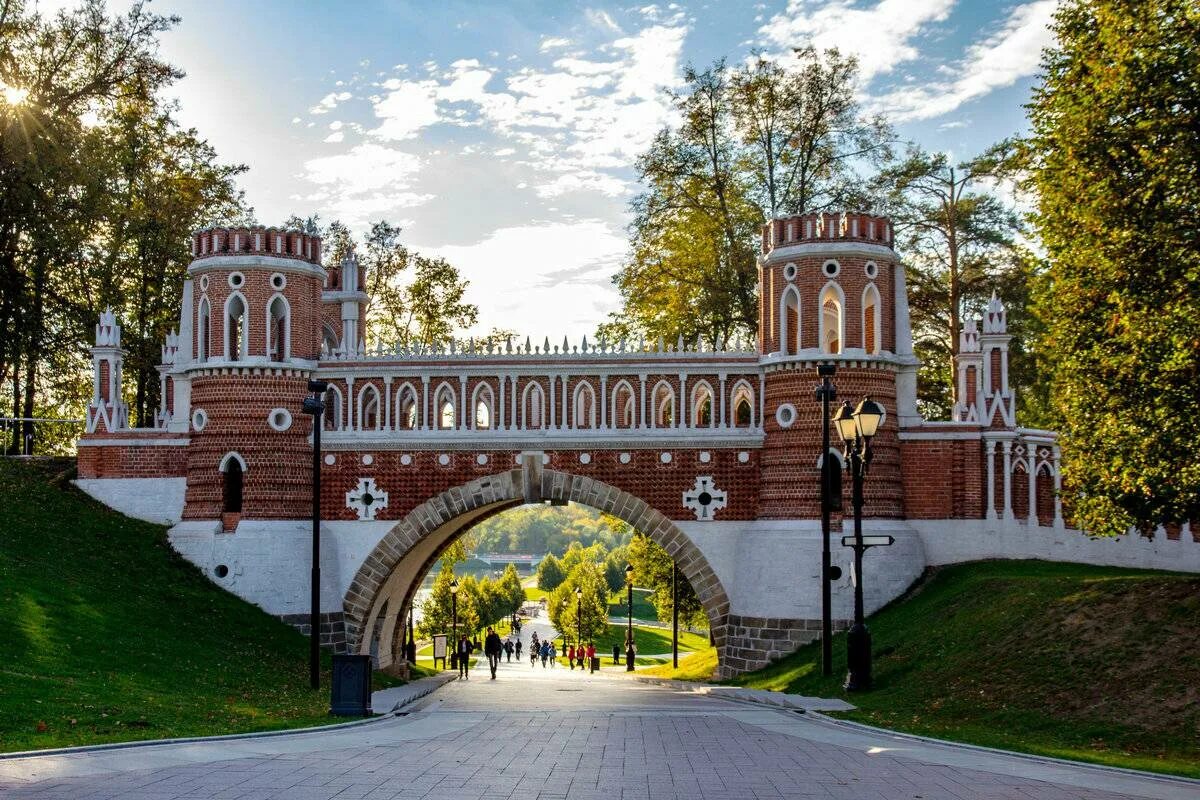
x,y
957,240
752,142
652,567
563,606
514,593
614,568
550,573
1115,163
437,610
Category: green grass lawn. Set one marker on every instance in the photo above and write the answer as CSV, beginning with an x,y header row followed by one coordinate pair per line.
x,y
532,593
110,636
642,607
697,666
650,641
1091,663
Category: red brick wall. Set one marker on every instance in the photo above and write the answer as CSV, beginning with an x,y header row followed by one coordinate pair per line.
x,y
645,476
132,461
791,479
943,479
278,464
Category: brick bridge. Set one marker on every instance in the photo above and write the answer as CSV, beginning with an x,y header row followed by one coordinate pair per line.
x,y
713,453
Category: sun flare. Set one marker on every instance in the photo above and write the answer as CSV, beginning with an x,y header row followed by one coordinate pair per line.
x,y
14,95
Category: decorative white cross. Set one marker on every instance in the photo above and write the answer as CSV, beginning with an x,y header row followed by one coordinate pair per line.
x,y
366,499
704,499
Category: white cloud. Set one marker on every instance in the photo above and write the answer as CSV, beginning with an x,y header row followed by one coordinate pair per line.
x,y
366,181
518,268
329,102
552,42
334,137
406,109
601,19
1000,60
880,35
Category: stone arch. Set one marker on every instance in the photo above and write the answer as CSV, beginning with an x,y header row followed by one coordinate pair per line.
x,y
391,572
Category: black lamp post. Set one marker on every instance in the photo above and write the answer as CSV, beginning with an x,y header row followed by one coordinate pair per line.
x,y
410,650
826,394
316,408
857,428
629,652
578,617
454,618
674,614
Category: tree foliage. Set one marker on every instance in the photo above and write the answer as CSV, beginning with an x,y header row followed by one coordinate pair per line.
x,y
752,142
958,239
101,186
652,567
582,617
1115,163
550,574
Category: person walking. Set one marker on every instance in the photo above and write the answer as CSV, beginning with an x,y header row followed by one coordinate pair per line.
x,y
492,648
534,653
591,655
463,653
545,653
508,651
553,655
571,656
518,650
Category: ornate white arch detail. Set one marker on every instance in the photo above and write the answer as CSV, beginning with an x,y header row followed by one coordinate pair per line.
x,y
832,289
533,398
287,329
204,330
226,319
232,455
739,389
616,418
789,340
483,394
870,297
335,406
657,405
363,400
702,388
400,419
583,411
444,395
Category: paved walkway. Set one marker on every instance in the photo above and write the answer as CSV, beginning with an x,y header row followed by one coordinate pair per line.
x,y
535,733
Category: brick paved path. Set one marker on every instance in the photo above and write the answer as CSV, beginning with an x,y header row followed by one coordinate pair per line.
x,y
540,734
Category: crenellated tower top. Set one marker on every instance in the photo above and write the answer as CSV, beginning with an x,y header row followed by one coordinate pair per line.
x,y
815,228
276,242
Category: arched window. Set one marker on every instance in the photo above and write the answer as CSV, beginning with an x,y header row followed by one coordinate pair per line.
x,y
702,406
329,339
533,407
664,405
235,327
743,406
584,403
406,408
789,322
870,320
204,331
233,468
333,409
483,405
369,418
445,408
279,338
832,322
622,406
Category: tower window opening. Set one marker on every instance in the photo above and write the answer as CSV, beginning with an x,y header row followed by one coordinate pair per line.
x,y
831,321
277,330
743,407
483,408
232,480
235,328
204,334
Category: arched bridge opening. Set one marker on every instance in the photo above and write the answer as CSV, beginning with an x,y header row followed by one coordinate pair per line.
x,y
377,602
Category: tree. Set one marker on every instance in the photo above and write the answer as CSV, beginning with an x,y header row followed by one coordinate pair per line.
x,y
514,592
549,573
803,132
1115,163
753,142
956,240
652,567
437,610
563,606
614,568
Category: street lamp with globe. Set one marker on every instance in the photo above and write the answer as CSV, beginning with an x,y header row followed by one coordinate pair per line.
x,y
629,648
857,428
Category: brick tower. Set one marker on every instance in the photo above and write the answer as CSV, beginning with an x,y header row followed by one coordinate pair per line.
x,y
254,343
831,291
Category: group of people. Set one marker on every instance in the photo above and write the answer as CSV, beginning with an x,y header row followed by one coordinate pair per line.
x,y
545,650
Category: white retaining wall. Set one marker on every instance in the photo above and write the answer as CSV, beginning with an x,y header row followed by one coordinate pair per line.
x,y
158,500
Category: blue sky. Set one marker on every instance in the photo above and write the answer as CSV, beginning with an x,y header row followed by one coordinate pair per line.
x,y
502,135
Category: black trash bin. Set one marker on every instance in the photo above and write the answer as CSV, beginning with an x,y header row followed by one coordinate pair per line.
x,y
595,663
351,689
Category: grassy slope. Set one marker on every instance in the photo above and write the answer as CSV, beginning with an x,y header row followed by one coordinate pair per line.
x,y
1092,663
111,636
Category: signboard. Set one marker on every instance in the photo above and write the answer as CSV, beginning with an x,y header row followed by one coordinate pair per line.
x,y
439,649
875,540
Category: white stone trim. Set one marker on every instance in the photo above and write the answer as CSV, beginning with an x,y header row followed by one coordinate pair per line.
x,y
791,252
133,442
214,263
